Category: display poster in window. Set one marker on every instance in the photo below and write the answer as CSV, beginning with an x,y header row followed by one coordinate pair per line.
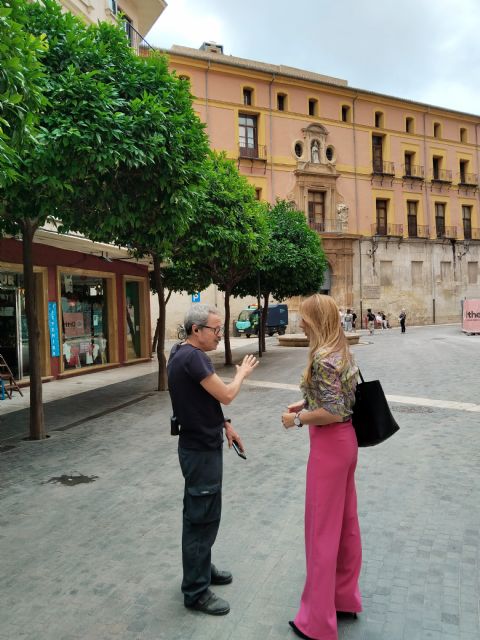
x,y
74,325
68,283
53,328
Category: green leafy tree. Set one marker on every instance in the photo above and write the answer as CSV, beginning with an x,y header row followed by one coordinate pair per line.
x,y
295,262
21,94
229,236
88,132
148,207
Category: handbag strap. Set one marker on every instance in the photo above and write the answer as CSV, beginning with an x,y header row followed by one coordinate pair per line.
x,y
360,374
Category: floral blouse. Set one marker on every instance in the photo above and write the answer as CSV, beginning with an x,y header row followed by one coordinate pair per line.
x,y
329,389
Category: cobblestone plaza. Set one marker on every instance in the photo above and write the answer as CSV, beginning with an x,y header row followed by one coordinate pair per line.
x,y
101,560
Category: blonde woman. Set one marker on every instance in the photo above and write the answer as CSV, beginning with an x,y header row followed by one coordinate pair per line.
x,y
332,533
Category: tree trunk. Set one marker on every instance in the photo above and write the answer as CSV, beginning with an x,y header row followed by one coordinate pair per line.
x,y
155,337
37,422
162,363
266,295
228,348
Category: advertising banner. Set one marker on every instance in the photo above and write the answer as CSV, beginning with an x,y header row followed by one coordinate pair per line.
x,y
74,325
53,327
471,316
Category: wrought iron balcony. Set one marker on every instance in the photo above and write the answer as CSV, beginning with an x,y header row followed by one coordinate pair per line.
x,y
328,226
390,230
418,231
441,175
468,179
259,152
413,171
449,233
383,168
138,43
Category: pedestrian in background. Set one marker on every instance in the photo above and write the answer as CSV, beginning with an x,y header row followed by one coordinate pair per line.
x,y
347,321
332,533
370,321
354,321
196,392
402,318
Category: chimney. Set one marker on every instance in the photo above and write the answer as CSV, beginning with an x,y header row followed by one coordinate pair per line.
x,y
212,47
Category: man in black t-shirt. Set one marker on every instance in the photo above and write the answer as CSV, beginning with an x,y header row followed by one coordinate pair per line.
x,y
197,394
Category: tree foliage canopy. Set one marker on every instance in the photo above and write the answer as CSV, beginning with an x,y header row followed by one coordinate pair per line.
x,y
295,262
21,94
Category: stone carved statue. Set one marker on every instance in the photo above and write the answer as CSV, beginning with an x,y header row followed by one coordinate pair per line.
x,y
315,152
342,212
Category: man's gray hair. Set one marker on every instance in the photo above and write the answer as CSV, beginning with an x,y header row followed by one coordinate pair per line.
x,y
198,314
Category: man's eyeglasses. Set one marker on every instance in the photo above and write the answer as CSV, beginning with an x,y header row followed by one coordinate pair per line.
x,y
218,331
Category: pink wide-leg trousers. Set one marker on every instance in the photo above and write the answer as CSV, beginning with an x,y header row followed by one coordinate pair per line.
x,y
332,534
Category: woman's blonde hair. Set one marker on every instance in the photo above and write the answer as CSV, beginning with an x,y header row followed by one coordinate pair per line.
x,y
322,317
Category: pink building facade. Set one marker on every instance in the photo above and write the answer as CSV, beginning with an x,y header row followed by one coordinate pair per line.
x,y
390,185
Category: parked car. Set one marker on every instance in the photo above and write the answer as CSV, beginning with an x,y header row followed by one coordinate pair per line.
x,y
277,320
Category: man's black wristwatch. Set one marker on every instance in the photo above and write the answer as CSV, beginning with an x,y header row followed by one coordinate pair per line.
x,y
226,420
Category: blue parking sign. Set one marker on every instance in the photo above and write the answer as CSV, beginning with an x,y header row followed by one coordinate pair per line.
x,y
196,297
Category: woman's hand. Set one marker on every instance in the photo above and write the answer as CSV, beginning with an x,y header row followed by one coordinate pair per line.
x,y
296,406
249,363
287,419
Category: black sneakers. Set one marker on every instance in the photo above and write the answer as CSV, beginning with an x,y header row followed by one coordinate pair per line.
x,y
220,577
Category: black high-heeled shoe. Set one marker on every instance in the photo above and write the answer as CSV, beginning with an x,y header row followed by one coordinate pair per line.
x,y
344,615
297,631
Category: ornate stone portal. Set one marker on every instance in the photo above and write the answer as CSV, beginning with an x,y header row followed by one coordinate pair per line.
x,y
316,173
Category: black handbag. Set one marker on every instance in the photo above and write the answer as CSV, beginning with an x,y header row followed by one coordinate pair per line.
x,y
372,419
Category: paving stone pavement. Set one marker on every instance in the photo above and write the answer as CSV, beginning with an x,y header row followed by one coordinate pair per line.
x,y
101,560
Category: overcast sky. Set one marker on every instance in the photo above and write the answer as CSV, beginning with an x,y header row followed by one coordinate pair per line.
x,y
425,50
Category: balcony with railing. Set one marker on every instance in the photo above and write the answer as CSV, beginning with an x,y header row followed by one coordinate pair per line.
x,y
389,230
447,233
328,226
138,43
383,168
443,176
257,152
467,179
413,171
418,231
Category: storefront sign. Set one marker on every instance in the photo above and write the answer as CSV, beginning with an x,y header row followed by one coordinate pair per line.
x,y
74,325
471,316
53,326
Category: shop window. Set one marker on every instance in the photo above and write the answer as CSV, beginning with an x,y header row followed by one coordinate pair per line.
x,y
13,324
84,321
134,325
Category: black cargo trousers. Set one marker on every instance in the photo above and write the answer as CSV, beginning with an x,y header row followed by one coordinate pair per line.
x,y
202,507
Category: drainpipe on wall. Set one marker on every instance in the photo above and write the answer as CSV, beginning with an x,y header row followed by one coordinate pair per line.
x,y
427,211
356,207
206,96
272,189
